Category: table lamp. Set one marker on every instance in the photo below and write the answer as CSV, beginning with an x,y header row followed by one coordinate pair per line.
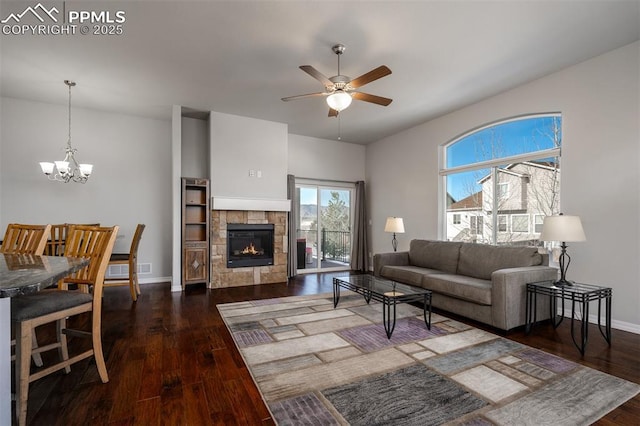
x,y
395,225
563,228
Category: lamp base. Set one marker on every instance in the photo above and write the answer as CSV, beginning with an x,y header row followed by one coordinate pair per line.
x,y
562,283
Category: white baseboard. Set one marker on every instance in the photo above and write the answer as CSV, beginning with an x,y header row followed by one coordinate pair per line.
x,y
618,325
158,280
155,280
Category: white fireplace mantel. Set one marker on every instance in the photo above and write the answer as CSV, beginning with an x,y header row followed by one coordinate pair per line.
x,y
250,204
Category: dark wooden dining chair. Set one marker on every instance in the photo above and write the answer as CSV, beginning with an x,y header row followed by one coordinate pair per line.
x,y
130,259
31,311
25,239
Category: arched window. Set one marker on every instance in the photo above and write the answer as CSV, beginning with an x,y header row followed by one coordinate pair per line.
x,y
501,180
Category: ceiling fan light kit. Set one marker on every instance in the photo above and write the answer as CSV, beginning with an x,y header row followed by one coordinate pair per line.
x,y
340,90
339,100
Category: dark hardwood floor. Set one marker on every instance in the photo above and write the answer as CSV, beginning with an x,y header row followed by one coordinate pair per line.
x,y
171,361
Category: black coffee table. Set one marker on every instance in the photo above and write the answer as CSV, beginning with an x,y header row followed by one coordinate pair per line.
x,y
388,292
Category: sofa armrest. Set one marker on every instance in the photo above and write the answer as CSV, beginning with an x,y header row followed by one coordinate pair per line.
x,y
400,258
508,294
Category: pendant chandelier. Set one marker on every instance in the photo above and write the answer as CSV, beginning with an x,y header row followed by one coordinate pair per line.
x,y
69,169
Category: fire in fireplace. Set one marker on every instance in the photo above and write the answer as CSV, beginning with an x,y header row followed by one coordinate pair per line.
x,y
249,245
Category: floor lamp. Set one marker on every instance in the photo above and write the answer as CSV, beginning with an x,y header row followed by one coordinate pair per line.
x,y
395,225
564,229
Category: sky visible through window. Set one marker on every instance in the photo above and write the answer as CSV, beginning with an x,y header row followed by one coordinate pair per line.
x,y
505,139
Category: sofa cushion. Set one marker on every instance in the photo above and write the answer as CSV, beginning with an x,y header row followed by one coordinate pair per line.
x,y
439,255
480,260
406,274
461,287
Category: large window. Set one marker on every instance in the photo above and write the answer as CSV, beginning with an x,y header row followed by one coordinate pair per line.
x,y
505,177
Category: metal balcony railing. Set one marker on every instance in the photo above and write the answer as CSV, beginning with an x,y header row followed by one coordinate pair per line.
x,y
334,244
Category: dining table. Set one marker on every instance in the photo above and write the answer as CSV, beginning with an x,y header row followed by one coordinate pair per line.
x,y
22,274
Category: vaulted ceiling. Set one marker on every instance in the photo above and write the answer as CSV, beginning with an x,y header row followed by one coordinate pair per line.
x,y
242,57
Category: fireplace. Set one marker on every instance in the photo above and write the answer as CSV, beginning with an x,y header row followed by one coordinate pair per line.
x,y
249,245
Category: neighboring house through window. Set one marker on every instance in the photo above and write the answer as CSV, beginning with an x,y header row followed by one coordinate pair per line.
x,y
520,223
538,221
502,223
502,177
502,191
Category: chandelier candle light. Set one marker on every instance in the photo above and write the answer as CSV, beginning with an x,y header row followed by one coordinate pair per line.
x,y
564,229
395,225
68,169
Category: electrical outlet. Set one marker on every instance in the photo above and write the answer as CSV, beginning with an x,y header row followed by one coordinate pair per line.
x,y
252,173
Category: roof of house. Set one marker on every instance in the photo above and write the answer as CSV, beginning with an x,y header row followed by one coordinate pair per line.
x,y
472,202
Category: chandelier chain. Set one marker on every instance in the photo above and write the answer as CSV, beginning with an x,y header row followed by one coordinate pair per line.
x,y
69,139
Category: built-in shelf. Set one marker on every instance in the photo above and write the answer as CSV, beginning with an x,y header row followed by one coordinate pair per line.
x,y
195,231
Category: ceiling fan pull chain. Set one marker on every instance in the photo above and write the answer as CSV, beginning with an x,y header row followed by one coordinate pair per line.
x,y
339,122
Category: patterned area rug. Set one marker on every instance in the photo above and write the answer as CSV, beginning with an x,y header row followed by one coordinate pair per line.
x,y
316,365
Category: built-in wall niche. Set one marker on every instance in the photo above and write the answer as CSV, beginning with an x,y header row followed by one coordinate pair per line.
x,y
195,143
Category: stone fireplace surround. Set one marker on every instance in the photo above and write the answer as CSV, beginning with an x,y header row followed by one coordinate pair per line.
x,y
221,276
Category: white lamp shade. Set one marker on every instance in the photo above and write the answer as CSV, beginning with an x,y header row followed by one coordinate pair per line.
x,y
86,169
562,228
339,100
394,224
62,166
47,168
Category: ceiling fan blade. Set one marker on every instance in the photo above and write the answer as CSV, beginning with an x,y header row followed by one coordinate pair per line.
x,y
372,75
316,74
333,112
371,98
308,95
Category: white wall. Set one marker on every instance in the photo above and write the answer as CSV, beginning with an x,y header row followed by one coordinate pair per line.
x,y
240,144
326,159
599,101
129,185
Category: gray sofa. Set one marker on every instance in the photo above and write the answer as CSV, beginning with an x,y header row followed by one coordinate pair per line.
x,y
482,282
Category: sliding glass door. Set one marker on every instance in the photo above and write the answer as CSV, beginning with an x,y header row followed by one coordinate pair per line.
x,y
324,226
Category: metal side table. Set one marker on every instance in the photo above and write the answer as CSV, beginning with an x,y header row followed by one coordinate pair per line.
x,y
577,293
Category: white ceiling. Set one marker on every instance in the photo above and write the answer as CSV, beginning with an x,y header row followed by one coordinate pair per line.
x,y
241,57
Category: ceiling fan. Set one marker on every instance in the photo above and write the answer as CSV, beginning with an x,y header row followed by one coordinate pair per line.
x,y
340,89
